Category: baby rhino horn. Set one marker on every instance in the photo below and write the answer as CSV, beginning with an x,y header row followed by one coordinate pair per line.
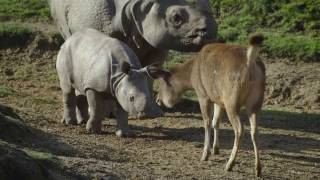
x,y
125,67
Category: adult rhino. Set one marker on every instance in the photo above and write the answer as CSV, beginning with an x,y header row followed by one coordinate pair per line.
x,y
149,27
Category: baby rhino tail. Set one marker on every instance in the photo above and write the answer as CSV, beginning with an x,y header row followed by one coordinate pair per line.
x,y
255,43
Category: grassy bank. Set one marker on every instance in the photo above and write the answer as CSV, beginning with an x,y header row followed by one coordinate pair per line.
x,y
292,27
24,9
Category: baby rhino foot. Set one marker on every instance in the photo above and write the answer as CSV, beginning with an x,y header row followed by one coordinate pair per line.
x,y
95,129
68,121
122,133
82,121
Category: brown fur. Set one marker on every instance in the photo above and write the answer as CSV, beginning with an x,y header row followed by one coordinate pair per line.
x,y
228,77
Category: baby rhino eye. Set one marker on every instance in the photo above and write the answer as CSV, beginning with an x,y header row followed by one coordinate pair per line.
x,y
131,98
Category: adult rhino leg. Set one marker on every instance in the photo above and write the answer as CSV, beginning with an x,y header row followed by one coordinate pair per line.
x,y
111,105
82,108
97,111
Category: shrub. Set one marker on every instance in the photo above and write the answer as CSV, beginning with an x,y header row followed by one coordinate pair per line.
x,y
12,34
296,47
23,9
291,26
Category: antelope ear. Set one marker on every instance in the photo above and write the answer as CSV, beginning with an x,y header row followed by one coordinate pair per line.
x,y
125,67
156,73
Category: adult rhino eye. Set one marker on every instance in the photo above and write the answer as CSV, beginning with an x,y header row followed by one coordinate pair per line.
x,y
131,98
177,18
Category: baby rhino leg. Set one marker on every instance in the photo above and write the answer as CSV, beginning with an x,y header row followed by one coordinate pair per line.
x,y
97,111
82,108
69,98
69,106
122,123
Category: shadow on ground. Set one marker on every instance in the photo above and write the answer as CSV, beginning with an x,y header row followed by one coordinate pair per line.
x,y
279,135
289,143
304,122
185,106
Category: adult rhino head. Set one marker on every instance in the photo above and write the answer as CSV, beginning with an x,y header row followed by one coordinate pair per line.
x,y
166,24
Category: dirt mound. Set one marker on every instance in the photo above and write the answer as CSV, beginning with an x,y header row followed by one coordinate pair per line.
x,y
17,161
16,164
11,127
293,84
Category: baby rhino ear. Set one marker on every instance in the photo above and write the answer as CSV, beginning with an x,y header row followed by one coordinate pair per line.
x,y
156,72
125,67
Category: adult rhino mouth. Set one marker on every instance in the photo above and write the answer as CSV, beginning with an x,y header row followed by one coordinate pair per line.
x,y
195,40
198,33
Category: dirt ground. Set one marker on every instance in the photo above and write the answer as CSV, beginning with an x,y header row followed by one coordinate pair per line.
x,y
168,147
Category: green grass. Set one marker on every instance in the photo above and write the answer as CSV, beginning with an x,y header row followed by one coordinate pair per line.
x,y
42,101
14,34
42,156
39,155
24,73
6,91
282,45
176,58
3,143
24,9
9,29
296,47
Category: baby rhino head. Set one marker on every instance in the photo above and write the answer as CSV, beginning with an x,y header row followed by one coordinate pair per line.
x,y
133,93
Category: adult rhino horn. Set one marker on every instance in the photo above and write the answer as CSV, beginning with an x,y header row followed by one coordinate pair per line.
x,y
204,5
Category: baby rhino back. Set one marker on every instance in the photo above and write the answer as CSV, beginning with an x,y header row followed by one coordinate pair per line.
x,y
87,57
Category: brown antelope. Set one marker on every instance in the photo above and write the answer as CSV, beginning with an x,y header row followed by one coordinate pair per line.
x,y
224,77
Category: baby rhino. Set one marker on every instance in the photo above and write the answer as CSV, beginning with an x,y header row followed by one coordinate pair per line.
x,y
226,77
104,75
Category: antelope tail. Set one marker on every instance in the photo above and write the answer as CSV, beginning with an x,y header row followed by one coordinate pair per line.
x,y
255,43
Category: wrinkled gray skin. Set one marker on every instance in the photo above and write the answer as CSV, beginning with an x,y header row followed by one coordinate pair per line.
x,y
103,73
149,27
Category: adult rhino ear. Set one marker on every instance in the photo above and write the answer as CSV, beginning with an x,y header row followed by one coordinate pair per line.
x,y
124,67
204,5
139,10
